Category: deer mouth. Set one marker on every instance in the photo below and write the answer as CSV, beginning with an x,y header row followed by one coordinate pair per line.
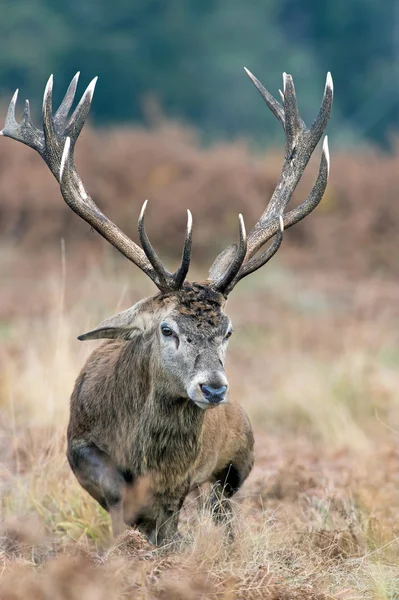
x,y
206,405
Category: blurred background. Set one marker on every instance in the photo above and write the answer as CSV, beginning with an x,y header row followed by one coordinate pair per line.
x,y
175,119
187,57
315,354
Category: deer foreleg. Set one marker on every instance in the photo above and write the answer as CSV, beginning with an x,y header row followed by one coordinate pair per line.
x,y
100,477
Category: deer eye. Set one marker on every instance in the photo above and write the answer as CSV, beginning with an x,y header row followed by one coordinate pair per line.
x,y
166,331
228,334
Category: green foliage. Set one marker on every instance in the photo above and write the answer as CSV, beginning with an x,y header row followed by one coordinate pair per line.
x,y
189,56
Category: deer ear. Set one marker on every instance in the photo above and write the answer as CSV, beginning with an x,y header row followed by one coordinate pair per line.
x,y
123,326
112,333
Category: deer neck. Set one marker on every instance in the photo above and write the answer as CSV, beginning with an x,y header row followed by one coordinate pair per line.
x,y
151,394
170,425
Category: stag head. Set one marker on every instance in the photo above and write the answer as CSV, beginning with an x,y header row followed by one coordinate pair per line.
x,y
185,323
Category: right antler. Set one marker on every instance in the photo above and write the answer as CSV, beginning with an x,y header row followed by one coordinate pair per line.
x,y
56,144
234,263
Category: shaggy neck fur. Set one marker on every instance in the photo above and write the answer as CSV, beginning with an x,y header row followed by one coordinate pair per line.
x,y
169,428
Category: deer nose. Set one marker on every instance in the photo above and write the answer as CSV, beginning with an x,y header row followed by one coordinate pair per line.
x,y
213,395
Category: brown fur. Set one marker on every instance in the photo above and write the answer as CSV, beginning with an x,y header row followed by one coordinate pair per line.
x,y
127,423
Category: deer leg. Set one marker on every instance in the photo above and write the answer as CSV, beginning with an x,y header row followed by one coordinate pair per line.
x,y
160,521
99,476
227,482
117,522
220,505
168,521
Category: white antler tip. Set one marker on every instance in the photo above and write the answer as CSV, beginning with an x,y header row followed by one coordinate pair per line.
x,y
75,79
329,82
48,89
91,87
285,78
65,155
281,95
242,225
49,84
326,152
281,223
143,208
250,75
11,107
189,220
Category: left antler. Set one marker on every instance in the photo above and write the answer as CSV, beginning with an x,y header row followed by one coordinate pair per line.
x,y
56,144
299,146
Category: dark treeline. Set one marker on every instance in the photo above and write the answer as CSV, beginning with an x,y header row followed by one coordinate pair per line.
x,y
184,59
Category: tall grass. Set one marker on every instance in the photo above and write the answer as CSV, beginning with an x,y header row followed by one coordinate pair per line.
x,y
314,360
315,364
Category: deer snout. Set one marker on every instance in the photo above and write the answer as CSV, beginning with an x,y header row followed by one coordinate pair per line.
x,y
213,395
208,390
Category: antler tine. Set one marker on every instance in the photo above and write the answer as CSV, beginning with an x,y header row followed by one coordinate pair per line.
x,y
259,261
149,251
169,281
223,283
48,123
307,206
182,271
271,102
300,143
79,116
293,122
10,117
25,131
62,113
320,122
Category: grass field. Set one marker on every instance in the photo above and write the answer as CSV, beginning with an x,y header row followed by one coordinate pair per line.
x,y
314,360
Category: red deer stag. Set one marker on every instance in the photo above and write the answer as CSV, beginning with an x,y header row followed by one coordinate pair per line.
x,y
139,406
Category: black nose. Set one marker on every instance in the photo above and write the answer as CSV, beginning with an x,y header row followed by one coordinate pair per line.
x,y
213,395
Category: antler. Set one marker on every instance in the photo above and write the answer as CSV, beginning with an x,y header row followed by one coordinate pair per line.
x,y
299,146
56,144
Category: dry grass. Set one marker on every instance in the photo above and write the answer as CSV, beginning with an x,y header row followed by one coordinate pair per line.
x,y
314,360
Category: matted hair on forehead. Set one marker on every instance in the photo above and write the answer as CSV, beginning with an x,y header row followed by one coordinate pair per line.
x,y
200,301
